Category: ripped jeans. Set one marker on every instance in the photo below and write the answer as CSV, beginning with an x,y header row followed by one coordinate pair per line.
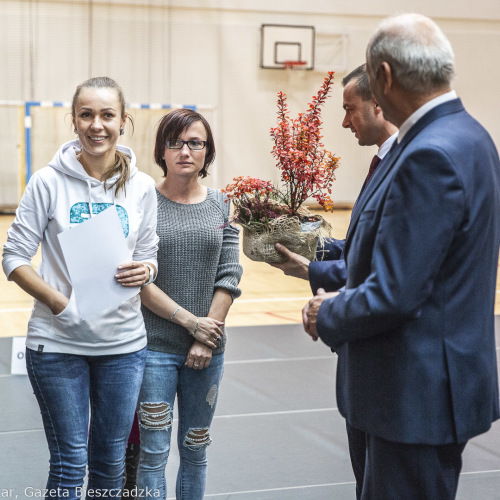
x,y
165,376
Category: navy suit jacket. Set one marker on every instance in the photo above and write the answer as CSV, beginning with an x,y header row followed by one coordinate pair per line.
x,y
328,272
414,328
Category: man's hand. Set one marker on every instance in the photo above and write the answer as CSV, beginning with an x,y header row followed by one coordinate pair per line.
x,y
296,265
310,312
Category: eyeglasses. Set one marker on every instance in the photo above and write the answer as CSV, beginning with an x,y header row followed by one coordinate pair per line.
x,y
194,145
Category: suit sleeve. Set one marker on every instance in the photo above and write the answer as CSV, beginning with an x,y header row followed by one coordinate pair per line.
x,y
422,211
329,271
331,249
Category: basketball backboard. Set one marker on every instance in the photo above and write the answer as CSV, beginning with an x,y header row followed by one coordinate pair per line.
x,y
282,43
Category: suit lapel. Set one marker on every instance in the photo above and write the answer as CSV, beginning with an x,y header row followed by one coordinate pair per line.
x,y
381,173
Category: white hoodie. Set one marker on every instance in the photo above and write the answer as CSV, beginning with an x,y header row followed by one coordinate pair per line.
x,y
56,198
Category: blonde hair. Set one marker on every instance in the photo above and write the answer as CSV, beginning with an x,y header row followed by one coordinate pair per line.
x,y
121,164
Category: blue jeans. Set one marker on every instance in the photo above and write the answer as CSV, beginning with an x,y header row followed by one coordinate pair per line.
x,y
165,376
63,385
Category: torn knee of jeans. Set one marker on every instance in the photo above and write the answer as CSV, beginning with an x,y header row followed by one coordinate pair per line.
x,y
197,438
155,416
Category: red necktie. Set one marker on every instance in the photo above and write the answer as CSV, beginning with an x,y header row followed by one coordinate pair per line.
x,y
373,165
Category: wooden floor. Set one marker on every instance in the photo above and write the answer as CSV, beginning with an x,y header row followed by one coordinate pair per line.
x,y
269,297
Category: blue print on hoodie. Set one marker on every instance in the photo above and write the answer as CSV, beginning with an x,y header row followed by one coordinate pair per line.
x,y
80,212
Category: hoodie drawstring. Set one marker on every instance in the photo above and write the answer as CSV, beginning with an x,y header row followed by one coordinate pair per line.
x,y
90,198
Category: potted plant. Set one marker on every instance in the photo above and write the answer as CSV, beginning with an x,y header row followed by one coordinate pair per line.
x,y
270,214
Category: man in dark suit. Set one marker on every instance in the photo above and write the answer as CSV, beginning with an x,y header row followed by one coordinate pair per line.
x,y
363,116
414,327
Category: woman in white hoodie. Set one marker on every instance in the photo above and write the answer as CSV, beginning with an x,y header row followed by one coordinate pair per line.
x,y
73,362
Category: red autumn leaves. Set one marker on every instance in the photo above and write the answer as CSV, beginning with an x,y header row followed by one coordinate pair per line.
x,y
307,169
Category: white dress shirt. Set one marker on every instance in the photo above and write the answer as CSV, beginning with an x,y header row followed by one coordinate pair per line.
x,y
414,117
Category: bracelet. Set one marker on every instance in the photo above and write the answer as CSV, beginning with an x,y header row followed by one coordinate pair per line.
x,y
196,327
175,312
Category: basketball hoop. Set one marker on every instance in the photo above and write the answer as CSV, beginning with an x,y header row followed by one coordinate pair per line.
x,y
294,64
295,76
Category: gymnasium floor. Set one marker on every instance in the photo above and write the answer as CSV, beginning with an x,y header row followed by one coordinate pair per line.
x,y
277,432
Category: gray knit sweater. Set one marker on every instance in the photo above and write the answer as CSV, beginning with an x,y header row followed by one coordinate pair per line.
x,y
196,255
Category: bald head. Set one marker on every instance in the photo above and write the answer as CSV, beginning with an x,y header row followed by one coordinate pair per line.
x,y
419,54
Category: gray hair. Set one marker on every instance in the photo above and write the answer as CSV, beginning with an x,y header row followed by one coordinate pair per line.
x,y
420,55
362,85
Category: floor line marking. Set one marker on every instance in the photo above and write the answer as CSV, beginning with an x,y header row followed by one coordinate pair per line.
x,y
308,486
21,431
272,360
274,413
279,316
479,472
274,299
288,488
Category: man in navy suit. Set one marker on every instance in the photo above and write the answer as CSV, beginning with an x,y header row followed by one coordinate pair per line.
x,y
414,327
363,116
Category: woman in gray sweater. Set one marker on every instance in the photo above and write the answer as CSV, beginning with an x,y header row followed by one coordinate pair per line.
x,y
184,312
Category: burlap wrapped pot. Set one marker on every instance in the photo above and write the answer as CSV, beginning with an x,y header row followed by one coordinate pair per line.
x,y
259,239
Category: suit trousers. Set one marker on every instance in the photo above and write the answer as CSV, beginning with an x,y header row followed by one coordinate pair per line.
x,y
395,471
357,452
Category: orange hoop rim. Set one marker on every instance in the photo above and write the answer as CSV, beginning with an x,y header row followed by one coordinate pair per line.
x,y
294,64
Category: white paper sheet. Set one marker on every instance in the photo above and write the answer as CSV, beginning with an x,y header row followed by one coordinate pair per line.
x,y
92,251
